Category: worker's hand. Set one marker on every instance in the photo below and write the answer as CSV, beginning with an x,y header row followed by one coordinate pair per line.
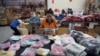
x,y
41,29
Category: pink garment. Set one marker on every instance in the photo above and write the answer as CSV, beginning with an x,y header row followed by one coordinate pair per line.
x,y
66,39
28,52
15,46
37,44
5,45
57,50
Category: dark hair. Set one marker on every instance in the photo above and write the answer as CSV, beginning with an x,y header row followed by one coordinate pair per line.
x,y
50,11
63,11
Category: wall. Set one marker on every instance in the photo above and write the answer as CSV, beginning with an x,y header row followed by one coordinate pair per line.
x,y
64,4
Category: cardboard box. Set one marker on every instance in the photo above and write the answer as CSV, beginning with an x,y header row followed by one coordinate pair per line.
x,y
63,30
23,31
3,21
97,29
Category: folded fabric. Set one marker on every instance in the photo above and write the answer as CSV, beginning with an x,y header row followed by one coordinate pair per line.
x,y
34,37
15,46
57,50
42,51
45,39
75,50
15,37
91,44
37,44
28,52
7,53
5,45
26,42
77,35
66,39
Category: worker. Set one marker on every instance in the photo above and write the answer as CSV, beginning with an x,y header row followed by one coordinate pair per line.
x,y
49,22
15,24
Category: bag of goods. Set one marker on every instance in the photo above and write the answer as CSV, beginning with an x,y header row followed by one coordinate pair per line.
x,y
96,16
5,45
15,46
66,39
42,51
89,18
57,50
15,38
75,50
28,52
7,53
37,44
92,45
77,19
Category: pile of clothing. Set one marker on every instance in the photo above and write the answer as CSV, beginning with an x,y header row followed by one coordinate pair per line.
x,y
85,18
74,44
91,44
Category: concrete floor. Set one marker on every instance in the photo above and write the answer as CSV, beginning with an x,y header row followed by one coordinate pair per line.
x,y
5,33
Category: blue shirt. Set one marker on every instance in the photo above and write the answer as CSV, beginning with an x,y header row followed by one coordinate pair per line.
x,y
34,20
14,23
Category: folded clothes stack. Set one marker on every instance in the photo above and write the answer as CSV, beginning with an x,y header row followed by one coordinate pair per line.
x,y
91,44
15,46
57,50
86,18
5,45
76,43
28,52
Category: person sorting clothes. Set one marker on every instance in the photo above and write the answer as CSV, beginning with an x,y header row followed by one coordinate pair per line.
x,y
49,23
15,24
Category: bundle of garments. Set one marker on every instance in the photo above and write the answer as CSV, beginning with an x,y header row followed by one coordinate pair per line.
x,y
91,44
72,19
66,46
34,40
75,44
85,18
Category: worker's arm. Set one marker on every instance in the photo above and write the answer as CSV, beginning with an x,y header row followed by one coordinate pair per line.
x,y
21,22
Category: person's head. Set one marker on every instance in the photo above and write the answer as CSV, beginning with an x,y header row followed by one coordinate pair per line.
x,y
49,17
63,11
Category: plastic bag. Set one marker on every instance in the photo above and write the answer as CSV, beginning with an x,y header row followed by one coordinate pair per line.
x,y
7,53
43,52
28,52
66,39
15,46
5,45
15,37
57,50
37,44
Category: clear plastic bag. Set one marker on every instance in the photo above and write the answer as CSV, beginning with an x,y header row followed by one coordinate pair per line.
x,y
57,50
29,52
15,46
5,45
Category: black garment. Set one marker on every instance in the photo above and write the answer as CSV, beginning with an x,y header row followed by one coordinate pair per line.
x,y
16,31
